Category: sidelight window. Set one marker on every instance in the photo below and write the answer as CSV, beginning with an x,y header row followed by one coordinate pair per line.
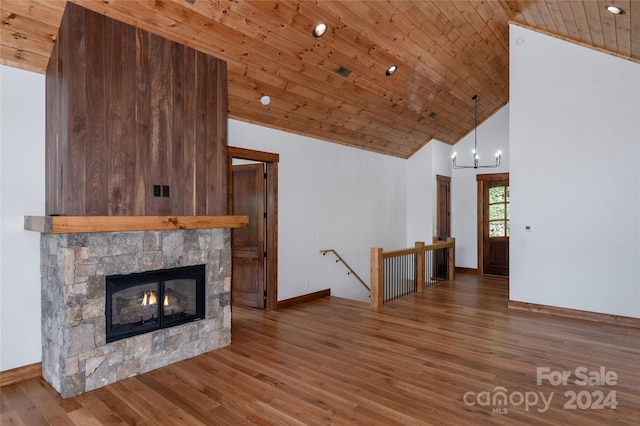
x,y
499,211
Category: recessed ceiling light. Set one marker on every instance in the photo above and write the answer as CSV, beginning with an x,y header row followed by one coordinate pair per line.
x,y
391,70
615,10
319,30
265,100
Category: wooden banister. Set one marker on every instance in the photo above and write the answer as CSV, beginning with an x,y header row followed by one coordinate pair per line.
x,y
452,258
419,273
351,271
377,280
437,245
419,268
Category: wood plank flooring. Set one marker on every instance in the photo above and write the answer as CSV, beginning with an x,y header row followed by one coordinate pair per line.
x,y
434,358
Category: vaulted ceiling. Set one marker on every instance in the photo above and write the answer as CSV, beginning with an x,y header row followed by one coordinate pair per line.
x,y
445,51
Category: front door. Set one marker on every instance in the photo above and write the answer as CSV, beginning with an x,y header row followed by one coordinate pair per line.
x,y
248,249
495,227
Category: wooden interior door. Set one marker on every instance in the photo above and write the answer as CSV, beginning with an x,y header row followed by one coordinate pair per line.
x,y
443,218
247,245
443,223
495,226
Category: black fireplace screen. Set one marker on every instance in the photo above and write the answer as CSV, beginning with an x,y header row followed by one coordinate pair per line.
x,y
142,302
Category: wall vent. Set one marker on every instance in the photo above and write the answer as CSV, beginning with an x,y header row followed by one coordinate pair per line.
x,y
343,71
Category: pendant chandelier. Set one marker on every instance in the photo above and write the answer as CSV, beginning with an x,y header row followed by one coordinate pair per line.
x,y
476,157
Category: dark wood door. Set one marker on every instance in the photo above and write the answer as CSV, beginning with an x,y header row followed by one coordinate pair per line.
x,y
247,244
443,223
444,207
496,227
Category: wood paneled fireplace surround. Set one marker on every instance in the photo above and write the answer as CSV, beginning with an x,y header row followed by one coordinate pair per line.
x,y
136,183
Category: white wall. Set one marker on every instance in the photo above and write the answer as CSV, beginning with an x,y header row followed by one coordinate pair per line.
x,y
22,135
575,150
422,169
493,135
329,197
421,192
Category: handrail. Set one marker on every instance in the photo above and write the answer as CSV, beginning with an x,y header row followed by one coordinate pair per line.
x,y
415,250
351,271
419,251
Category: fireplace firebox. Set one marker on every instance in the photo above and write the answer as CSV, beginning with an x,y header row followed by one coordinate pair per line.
x,y
142,302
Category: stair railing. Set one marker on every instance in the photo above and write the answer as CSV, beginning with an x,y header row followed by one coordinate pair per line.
x,y
397,273
350,269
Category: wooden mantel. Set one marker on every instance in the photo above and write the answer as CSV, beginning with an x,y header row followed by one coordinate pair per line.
x,y
78,224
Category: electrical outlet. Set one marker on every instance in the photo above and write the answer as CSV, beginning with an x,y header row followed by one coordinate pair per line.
x,y
157,190
165,190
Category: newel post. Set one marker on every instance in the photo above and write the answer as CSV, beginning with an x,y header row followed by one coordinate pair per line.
x,y
452,258
419,267
376,277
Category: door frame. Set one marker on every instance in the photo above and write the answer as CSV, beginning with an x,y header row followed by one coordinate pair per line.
x,y
483,181
271,227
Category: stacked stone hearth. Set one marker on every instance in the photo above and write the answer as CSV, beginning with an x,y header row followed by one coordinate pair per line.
x,y
75,355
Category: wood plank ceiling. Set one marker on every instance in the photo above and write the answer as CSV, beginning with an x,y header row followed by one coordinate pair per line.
x,y
446,52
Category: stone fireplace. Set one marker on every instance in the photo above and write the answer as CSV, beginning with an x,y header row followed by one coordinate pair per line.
x,y
105,213
76,356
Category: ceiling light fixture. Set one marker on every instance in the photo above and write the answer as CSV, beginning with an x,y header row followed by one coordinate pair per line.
x,y
265,100
615,10
476,157
319,30
391,70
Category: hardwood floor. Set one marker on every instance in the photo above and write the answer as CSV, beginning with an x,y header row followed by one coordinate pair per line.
x,y
424,359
